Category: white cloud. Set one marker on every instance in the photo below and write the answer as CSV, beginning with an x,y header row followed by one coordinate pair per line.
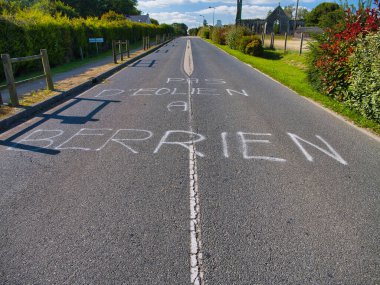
x,y
148,4
176,17
252,9
249,11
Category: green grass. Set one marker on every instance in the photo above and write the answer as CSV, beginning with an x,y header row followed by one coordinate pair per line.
x,y
290,70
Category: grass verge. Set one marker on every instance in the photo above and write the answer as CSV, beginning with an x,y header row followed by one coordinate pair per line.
x,y
290,70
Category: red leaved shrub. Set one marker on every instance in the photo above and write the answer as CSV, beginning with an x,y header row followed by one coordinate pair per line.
x,y
329,69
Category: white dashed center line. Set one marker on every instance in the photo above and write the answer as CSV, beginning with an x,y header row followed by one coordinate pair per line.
x,y
196,273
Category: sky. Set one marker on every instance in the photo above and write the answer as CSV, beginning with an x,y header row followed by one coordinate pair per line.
x,y
189,11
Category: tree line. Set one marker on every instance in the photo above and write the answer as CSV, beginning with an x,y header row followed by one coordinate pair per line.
x,y
73,8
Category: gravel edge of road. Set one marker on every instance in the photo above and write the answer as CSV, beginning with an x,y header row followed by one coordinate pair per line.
x,y
27,113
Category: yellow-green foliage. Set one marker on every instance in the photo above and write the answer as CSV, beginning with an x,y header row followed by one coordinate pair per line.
x,y
235,34
218,35
26,32
204,32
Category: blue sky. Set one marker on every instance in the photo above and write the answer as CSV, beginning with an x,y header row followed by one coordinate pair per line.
x,y
188,11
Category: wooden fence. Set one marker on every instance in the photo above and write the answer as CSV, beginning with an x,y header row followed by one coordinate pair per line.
x,y
272,40
117,49
146,43
11,83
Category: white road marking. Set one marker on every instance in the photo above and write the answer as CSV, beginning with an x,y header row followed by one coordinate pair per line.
x,y
109,92
29,138
336,115
331,153
178,104
225,146
196,272
188,64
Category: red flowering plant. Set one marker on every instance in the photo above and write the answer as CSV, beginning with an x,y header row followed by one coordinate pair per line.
x,y
329,69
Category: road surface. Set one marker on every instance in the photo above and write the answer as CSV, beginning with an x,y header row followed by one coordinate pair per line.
x,y
189,167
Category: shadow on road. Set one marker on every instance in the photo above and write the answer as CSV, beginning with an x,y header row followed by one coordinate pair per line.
x,y
68,120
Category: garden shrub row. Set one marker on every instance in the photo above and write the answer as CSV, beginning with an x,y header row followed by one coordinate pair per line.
x,y
363,92
344,61
238,38
26,32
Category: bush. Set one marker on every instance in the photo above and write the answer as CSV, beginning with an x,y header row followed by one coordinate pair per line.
x,y
204,32
219,35
364,85
27,31
255,48
193,32
111,16
329,69
235,34
244,41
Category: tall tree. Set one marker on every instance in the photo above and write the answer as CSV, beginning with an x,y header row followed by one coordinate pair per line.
x,y
99,7
180,29
127,7
302,13
289,10
323,12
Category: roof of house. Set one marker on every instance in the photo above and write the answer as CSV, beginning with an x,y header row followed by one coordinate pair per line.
x,y
278,12
311,30
139,18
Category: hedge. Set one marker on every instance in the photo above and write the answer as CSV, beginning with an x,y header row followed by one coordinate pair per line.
x,y
364,85
234,36
26,32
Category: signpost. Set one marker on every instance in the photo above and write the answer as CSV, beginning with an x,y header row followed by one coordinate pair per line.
x,y
96,41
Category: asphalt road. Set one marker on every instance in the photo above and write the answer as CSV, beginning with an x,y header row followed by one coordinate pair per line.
x,y
216,175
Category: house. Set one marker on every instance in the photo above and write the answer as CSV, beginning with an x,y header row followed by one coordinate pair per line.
x,y
307,31
218,23
139,18
277,22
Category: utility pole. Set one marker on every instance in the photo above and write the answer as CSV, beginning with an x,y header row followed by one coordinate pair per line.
x,y
204,21
295,19
213,16
238,13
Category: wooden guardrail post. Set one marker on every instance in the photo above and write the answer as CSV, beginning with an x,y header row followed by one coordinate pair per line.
x,y
46,66
6,59
128,49
301,43
114,52
286,40
144,42
121,50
